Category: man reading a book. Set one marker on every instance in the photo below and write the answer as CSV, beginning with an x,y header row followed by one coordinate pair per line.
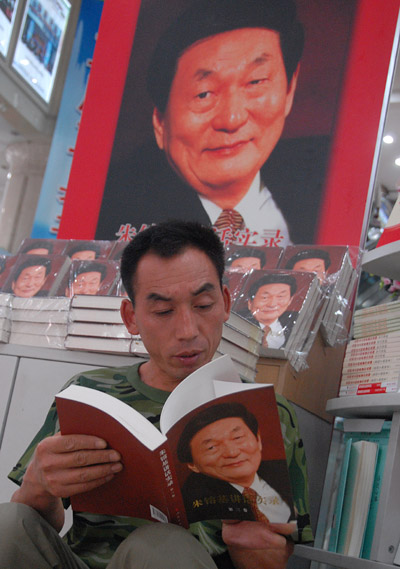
x,y
178,304
222,447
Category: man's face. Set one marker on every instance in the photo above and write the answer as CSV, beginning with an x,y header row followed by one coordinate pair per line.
x,y
270,302
228,450
226,109
30,281
86,283
245,264
86,255
179,312
313,265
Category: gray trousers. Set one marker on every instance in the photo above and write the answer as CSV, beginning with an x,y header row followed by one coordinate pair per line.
x,y
27,541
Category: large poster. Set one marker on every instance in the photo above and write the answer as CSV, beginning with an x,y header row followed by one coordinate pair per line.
x,y
226,118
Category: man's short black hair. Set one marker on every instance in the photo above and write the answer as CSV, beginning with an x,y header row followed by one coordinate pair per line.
x,y
273,278
309,254
38,244
33,261
88,266
205,18
166,240
78,246
209,416
247,252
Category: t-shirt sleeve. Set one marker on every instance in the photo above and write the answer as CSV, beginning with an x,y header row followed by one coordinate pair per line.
x,y
296,460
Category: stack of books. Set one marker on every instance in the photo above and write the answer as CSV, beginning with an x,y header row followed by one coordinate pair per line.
x,y
376,320
356,486
5,316
95,324
371,365
283,304
241,340
40,322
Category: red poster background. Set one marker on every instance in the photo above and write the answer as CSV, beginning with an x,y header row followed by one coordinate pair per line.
x,y
356,127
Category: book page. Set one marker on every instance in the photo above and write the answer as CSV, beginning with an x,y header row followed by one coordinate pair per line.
x,y
196,389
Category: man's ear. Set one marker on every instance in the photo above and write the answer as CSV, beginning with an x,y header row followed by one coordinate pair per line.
x,y
193,467
227,301
291,91
158,127
128,316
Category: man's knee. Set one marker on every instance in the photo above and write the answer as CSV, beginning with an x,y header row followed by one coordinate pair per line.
x,y
162,545
14,519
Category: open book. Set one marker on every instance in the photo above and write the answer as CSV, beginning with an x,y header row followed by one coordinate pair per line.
x,y
197,466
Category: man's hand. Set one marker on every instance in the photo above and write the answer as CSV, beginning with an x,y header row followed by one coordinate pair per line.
x,y
63,466
255,545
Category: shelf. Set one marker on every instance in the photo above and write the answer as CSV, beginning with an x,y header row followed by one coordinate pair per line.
x,y
337,560
381,405
383,261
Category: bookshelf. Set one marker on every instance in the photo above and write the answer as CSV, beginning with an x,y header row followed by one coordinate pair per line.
x,y
383,261
386,538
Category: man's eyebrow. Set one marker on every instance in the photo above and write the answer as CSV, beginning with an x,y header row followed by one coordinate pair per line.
x,y
207,287
201,74
155,296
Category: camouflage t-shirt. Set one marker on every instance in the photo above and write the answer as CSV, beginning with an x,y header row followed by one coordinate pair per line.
x,y
94,537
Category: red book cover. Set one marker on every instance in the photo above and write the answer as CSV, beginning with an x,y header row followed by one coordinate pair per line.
x,y
88,250
35,275
31,246
95,277
185,472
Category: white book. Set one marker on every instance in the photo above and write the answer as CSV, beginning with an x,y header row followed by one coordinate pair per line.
x,y
96,301
98,330
38,341
109,345
109,316
39,328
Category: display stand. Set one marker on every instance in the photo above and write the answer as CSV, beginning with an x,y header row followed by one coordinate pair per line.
x,y
311,388
384,260
386,538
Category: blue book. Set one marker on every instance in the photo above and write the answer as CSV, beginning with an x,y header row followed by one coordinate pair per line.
x,y
333,541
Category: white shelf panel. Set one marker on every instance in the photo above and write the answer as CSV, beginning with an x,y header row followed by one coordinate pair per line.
x,y
380,405
383,261
337,560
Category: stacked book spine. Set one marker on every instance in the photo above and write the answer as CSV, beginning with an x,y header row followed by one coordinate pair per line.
x,y
372,360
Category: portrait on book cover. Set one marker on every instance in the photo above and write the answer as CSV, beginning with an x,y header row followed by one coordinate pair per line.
x,y
273,300
242,147
230,465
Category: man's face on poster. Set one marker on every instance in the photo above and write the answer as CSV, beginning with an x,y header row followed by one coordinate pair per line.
x,y
227,449
29,281
226,109
270,302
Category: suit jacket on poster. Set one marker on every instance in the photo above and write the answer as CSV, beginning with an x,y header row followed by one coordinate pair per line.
x,y
198,488
146,190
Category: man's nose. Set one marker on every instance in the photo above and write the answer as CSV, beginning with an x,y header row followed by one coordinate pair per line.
x,y
186,325
230,449
231,113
